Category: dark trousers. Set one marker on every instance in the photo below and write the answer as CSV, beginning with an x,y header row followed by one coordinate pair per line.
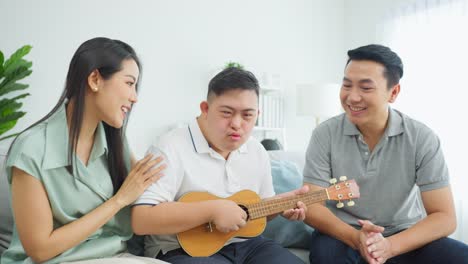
x,y
254,250
326,249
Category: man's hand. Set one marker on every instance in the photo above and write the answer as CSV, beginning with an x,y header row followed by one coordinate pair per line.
x,y
379,247
298,213
227,216
367,235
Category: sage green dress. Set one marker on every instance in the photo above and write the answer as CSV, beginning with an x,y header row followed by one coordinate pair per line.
x,y
42,152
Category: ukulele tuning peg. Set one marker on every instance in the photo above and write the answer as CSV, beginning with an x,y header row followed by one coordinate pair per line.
x,y
343,178
332,181
339,205
350,203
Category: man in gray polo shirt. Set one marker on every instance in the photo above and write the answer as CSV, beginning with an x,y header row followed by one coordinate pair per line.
x,y
394,159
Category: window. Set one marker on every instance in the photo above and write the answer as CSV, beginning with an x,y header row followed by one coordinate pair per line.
x,y
432,39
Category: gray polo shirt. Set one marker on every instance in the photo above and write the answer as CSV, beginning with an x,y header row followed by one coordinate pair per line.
x,y
407,157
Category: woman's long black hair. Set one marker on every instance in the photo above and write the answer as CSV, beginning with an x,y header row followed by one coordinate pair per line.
x,y
106,56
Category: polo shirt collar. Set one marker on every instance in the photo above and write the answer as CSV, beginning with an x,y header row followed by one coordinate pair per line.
x,y
243,148
349,129
199,141
394,127
395,123
57,140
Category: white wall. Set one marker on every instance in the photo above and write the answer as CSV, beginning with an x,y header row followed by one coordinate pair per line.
x,y
362,17
182,45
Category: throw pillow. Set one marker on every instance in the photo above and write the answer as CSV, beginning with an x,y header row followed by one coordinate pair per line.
x,y
286,177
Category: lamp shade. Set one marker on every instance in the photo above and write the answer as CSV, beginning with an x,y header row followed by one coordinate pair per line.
x,y
319,100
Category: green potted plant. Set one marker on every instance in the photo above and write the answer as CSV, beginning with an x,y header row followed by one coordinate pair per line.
x,y
11,71
232,64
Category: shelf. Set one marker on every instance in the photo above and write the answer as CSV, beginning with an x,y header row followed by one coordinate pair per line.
x,y
270,123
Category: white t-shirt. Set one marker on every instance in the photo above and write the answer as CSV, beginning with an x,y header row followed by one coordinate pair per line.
x,y
194,166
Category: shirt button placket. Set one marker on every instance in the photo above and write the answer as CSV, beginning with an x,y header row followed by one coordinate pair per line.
x,y
233,182
364,149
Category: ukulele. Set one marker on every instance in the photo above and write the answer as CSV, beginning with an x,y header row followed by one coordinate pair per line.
x,y
205,240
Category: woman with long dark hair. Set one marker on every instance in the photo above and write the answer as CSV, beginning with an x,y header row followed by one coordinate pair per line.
x,y
71,173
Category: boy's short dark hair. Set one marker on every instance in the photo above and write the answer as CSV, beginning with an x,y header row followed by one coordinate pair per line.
x,y
383,55
232,78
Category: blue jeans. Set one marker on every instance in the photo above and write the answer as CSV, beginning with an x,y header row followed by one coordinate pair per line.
x,y
326,249
254,250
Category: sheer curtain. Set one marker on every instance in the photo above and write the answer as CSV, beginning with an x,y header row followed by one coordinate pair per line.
x,y
432,39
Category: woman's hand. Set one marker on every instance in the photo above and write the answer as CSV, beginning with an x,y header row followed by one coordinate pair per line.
x,y
143,174
34,218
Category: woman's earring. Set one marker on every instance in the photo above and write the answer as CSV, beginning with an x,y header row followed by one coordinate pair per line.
x,y
94,89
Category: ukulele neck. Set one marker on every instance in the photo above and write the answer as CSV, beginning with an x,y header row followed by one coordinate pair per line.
x,y
273,206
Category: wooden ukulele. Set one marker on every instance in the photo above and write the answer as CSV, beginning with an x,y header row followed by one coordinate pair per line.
x,y
205,240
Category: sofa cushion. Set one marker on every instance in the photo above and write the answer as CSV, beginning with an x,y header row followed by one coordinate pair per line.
x,y
6,224
286,177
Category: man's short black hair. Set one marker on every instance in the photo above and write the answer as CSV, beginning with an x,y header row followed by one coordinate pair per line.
x,y
383,55
232,78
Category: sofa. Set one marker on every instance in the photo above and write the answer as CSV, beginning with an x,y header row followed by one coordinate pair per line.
x,y
286,169
6,218
287,175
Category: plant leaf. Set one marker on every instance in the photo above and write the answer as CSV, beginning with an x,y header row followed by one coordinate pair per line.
x,y
4,127
10,87
18,74
11,117
2,59
12,70
20,53
232,64
9,121
8,70
8,105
